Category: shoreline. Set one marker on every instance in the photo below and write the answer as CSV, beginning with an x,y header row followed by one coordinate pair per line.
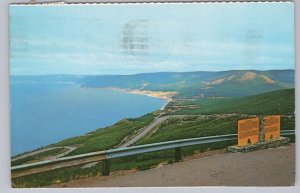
x,y
166,95
165,105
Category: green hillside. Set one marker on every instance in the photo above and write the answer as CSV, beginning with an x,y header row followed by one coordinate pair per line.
x,y
199,126
220,116
275,102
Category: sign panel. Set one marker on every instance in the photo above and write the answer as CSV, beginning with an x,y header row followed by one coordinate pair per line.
x,y
272,127
248,131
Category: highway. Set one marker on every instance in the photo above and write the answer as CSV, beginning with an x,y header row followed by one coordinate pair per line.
x,y
157,121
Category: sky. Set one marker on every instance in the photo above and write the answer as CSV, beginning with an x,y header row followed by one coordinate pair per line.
x,y
143,38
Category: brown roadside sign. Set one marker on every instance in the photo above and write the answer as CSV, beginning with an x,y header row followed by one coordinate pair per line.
x,y
272,127
248,131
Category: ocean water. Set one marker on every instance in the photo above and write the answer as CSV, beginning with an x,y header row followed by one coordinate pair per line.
x,y
45,113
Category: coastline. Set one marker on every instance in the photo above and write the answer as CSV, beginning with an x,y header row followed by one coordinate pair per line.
x,y
166,95
165,105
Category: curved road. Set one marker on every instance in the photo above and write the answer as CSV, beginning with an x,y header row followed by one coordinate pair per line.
x,y
157,121
70,149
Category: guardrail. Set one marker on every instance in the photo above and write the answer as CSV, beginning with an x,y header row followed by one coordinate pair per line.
x,y
105,156
287,132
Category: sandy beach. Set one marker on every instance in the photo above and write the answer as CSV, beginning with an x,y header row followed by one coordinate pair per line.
x,y
166,95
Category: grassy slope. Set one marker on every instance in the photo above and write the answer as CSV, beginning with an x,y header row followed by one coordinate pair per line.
x,y
173,130
275,102
190,127
106,138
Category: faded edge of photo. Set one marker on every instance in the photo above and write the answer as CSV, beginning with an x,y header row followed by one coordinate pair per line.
x,y
4,116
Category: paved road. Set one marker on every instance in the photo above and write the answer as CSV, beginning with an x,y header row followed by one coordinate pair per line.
x,y
32,153
157,121
272,167
70,149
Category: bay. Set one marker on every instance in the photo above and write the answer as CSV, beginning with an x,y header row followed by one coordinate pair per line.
x,y
45,113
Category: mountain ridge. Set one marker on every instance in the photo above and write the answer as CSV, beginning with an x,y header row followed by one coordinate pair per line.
x,y
195,84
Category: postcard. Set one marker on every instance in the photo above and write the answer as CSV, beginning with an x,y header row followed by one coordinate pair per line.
x,y
152,94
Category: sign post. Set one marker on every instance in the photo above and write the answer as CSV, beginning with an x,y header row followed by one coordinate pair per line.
x,y
259,133
248,131
272,127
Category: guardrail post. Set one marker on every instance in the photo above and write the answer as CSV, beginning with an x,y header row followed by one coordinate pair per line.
x,y
106,167
178,154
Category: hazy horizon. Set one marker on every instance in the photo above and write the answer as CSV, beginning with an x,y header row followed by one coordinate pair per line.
x,y
148,73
